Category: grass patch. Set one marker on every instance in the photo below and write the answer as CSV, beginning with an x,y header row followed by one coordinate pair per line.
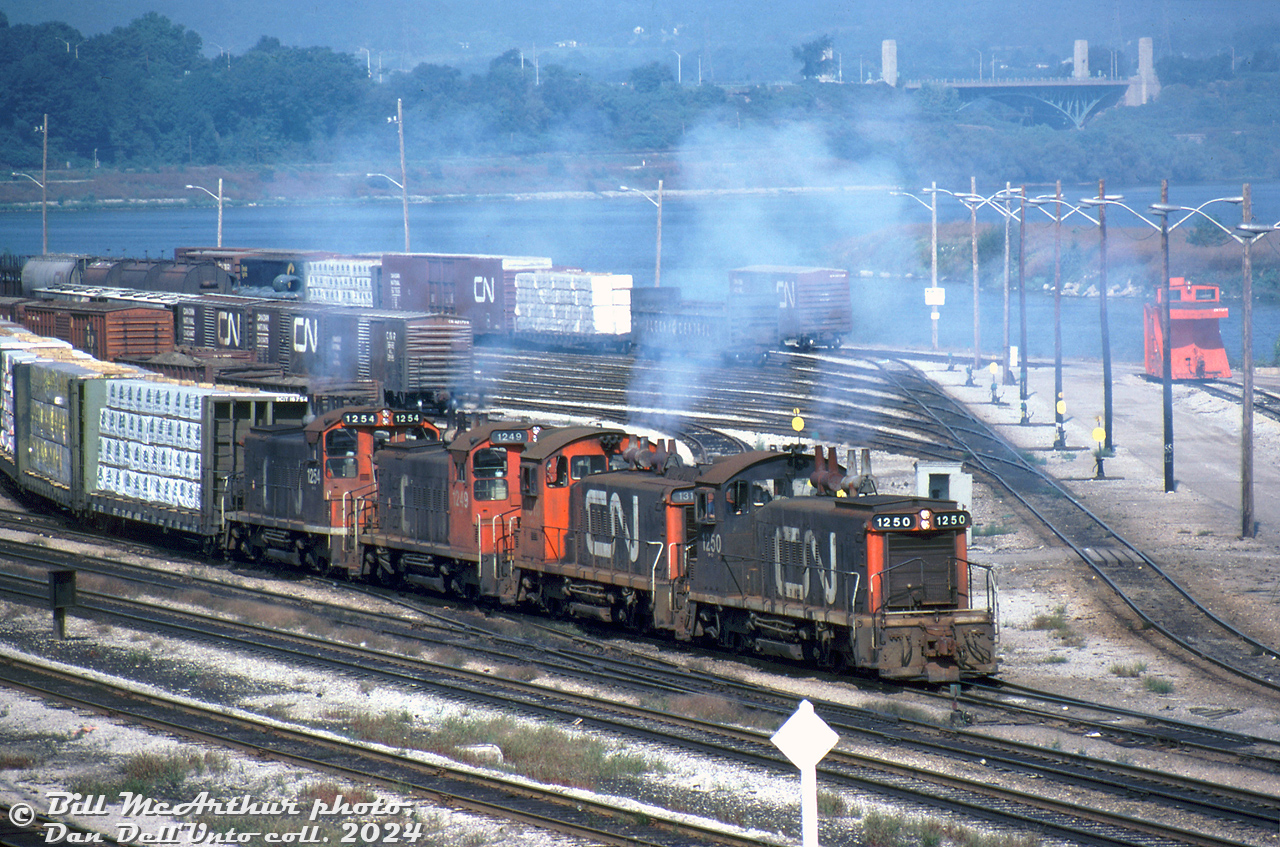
x,y
1156,685
160,775
1056,659
880,829
1058,626
706,707
992,529
543,753
16,760
832,805
540,752
328,792
1133,670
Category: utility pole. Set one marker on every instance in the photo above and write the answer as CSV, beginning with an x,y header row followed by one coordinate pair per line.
x,y
404,179
44,190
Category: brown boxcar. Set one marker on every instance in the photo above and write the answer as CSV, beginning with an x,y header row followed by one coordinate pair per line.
x,y
108,331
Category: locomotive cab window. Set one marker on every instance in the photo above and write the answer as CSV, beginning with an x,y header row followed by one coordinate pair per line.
x,y
706,506
738,497
583,466
528,481
340,450
557,472
489,470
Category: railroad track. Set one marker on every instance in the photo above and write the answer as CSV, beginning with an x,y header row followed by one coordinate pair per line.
x,y
1159,600
853,770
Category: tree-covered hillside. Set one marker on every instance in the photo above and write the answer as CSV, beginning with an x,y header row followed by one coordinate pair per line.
x,y
144,96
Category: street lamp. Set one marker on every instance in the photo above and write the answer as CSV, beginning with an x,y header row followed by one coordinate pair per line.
x,y
657,265
933,296
1006,210
1163,209
973,201
1245,233
217,197
44,220
43,182
1059,402
1248,233
1100,203
403,182
679,71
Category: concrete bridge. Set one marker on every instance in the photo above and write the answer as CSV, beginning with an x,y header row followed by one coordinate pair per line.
x,y
1061,102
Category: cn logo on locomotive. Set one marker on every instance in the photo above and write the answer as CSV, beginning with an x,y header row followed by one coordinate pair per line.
x,y
604,513
789,552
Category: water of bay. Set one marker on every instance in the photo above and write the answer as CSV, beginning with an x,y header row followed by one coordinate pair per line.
x,y
702,238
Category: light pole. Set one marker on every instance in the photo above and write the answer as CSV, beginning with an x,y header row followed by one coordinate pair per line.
x,y
44,220
404,178
1007,211
1022,300
399,185
973,201
1162,210
217,197
1248,233
679,70
933,296
657,263
1100,202
1059,402
403,183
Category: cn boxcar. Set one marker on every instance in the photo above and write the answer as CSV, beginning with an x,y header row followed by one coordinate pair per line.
x,y
812,305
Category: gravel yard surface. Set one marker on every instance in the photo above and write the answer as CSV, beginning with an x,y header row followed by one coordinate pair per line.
x,y
46,748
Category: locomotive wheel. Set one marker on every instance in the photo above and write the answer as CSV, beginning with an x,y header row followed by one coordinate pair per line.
x,y
253,548
386,571
312,558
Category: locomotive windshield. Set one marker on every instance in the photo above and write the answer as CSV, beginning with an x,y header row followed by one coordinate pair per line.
x,y
489,468
340,452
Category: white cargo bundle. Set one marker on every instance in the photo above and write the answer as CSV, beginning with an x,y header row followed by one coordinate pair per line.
x,y
18,345
151,441
573,302
158,397
344,281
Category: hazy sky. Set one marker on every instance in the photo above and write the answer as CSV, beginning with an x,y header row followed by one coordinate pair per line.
x,y
465,32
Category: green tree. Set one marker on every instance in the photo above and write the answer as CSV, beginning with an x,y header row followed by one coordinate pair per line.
x,y
815,58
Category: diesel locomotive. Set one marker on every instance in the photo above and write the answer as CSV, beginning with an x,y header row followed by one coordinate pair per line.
x,y
763,553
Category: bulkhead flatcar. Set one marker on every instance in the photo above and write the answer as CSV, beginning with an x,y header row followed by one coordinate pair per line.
x,y
110,442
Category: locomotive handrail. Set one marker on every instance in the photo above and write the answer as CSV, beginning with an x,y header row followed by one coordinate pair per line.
x,y
653,572
886,599
512,515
